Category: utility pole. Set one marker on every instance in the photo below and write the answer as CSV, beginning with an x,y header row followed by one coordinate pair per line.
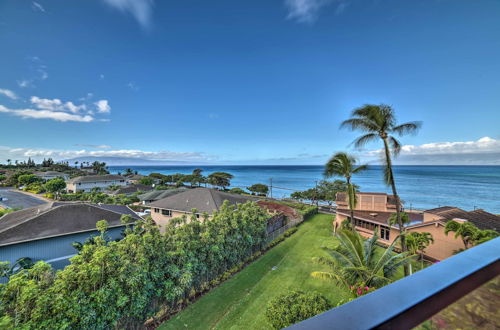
x,y
271,187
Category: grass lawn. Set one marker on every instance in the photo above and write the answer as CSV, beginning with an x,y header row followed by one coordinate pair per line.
x,y
240,302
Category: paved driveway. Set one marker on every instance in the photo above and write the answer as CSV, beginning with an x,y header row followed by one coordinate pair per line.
x,y
16,199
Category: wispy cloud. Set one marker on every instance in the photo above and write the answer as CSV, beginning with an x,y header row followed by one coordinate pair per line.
x,y
141,10
307,11
10,94
23,83
133,86
37,7
37,72
58,154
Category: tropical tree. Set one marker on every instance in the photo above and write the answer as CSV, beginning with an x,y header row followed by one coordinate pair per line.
x,y
344,165
55,185
379,122
469,233
220,179
355,261
417,242
27,179
259,189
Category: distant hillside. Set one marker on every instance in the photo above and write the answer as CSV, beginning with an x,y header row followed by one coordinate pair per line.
x,y
121,161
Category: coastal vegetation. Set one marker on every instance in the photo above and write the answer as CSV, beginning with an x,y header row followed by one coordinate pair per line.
x,y
120,284
344,165
325,191
469,233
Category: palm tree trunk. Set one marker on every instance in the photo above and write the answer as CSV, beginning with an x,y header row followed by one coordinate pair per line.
x,y
350,202
398,203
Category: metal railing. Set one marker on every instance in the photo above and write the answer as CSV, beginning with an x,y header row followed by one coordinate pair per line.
x,y
412,300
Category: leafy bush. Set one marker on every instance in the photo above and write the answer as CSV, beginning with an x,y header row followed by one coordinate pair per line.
x,y
294,307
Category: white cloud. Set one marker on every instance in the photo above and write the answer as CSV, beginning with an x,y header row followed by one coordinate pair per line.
x,y
103,106
140,9
46,114
10,94
485,150
101,76
56,105
37,7
58,110
57,154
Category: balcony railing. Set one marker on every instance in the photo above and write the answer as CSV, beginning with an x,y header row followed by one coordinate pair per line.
x,y
414,299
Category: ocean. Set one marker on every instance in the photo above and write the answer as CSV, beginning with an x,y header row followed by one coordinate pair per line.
x,y
420,187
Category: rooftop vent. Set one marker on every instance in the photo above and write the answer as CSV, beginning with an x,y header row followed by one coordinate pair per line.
x,y
373,214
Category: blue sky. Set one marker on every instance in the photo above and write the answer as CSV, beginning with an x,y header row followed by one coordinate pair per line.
x,y
255,82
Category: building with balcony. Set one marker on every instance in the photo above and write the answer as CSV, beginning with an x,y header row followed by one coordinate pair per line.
x,y
373,211
89,182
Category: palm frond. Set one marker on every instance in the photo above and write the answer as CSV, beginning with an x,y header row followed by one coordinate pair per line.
x,y
397,261
407,128
361,124
363,140
326,276
395,145
360,168
324,261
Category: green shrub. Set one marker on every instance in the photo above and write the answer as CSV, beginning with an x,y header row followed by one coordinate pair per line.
x,y
294,307
290,232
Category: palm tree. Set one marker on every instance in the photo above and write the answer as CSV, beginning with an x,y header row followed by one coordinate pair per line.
x,y
355,260
344,165
469,233
417,243
379,121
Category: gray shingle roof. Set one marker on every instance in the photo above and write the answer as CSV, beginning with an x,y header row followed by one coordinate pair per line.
x,y
96,178
57,219
202,199
155,195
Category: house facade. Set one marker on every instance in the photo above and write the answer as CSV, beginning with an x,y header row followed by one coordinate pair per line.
x,y
201,199
89,182
46,232
49,175
372,217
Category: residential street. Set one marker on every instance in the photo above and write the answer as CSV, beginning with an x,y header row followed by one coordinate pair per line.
x,y
16,199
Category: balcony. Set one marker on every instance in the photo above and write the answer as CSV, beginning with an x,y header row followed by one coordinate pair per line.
x,y
413,300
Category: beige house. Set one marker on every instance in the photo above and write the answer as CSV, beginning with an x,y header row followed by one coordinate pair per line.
x,y
89,182
371,215
49,175
201,199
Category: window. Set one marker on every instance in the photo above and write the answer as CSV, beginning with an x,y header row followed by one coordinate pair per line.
x,y
168,213
197,216
384,233
156,210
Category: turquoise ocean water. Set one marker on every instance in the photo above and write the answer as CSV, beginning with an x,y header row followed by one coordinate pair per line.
x,y
421,187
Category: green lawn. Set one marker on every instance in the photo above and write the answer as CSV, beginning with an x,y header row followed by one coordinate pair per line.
x,y
240,302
